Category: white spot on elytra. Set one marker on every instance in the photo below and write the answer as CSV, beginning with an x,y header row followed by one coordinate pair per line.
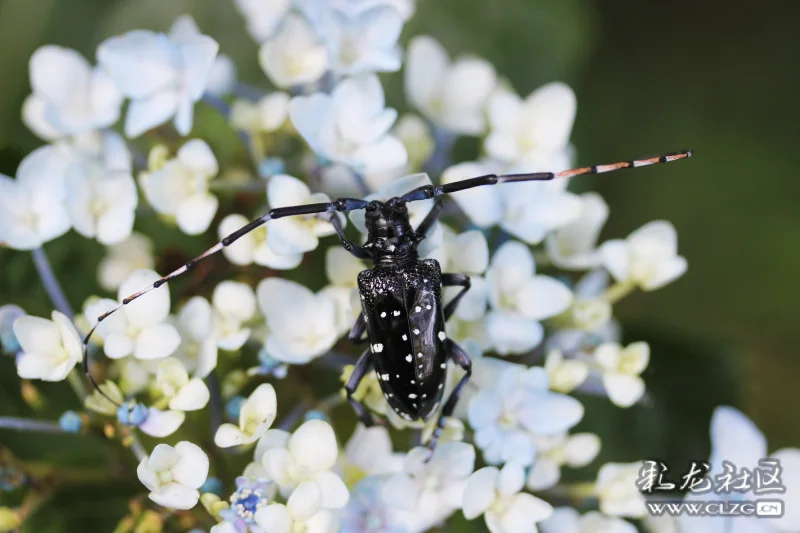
x,y
428,307
414,405
420,366
419,354
443,365
416,331
408,358
385,377
440,386
383,315
396,313
418,309
405,337
412,395
377,348
412,381
424,396
442,336
397,375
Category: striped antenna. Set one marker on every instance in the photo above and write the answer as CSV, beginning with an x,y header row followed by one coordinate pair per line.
x,y
599,169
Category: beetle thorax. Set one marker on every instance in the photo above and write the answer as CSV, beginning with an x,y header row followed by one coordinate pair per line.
x,y
390,237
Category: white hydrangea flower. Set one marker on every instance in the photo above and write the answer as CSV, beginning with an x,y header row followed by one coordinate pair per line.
x,y
308,456
234,305
540,123
255,417
520,299
467,253
452,95
567,520
617,490
367,453
140,327
173,475
736,438
32,209
163,75
342,269
253,247
415,134
648,258
101,200
69,96
123,258
184,394
180,187
496,495
440,477
264,116
621,369
160,424
293,235
221,77
364,41
294,55
516,406
262,17
198,348
565,374
50,348
351,125
302,325
529,211
574,246
303,512
559,450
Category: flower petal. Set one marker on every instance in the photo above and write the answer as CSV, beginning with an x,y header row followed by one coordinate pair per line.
x,y
305,501
274,518
176,496
161,424
479,491
191,469
314,445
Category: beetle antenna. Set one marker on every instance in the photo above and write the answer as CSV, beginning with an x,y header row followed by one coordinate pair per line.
x,y
430,191
338,205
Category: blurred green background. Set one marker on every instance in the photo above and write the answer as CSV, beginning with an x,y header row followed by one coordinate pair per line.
x,y
718,77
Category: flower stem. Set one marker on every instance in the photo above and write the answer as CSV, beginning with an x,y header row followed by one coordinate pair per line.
x,y
217,103
248,92
215,401
51,283
24,424
618,291
76,382
136,446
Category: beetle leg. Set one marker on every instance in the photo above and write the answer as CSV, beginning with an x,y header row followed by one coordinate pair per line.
x,y
363,365
428,222
454,280
350,246
457,354
356,335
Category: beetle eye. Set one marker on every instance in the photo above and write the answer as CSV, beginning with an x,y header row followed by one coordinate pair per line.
x,y
372,206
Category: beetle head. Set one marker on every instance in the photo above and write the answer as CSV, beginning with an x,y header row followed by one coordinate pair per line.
x,y
388,221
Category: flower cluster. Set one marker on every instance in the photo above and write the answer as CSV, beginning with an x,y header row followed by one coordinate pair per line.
x,y
540,303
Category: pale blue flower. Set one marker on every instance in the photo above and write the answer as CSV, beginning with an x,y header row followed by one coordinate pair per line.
x,y
365,42
506,414
163,75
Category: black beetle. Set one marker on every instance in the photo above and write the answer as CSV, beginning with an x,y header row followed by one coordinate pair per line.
x,y
401,295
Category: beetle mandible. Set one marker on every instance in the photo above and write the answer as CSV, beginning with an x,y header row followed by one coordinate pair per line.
x,y
401,295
